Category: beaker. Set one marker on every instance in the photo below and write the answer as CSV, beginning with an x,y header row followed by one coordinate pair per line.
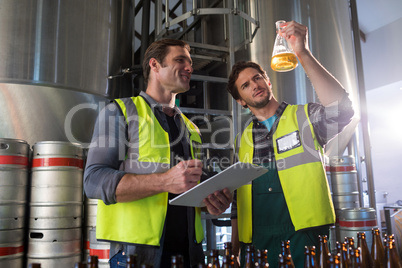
x,y
283,57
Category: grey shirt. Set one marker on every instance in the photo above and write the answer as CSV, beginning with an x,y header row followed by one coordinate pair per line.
x,y
109,146
105,168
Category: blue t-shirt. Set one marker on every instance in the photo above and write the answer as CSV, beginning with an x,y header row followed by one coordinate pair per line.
x,y
268,123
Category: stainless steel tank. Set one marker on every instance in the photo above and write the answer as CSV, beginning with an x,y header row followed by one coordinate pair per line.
x,y
330,40
55,57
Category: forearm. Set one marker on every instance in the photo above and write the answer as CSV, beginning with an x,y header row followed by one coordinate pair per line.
x,y
327,87
176,180
134,187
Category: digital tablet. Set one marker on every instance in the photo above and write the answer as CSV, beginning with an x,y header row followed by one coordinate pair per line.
x,y
232,178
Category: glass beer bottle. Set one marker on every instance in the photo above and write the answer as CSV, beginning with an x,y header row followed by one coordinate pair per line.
x,y
228,249
285,250
365,252
355,258
93,261
262,258
377,249
228,261
334,261
214,260
322,259
250,256
392,255
345,258
283,57
309,257
284,262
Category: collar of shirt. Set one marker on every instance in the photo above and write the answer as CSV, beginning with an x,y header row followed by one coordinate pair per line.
x,y
160,107
278,112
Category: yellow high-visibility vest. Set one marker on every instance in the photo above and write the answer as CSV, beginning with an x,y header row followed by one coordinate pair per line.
x,y
142,221
301,173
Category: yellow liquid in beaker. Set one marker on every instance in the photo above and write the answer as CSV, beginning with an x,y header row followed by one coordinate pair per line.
x,y
284,62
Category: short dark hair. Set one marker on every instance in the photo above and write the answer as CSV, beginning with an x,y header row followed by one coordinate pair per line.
x,y
158,50
234,74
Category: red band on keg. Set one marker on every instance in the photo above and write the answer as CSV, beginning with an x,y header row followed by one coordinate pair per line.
x,y
13,160
58,161
5,251
343,168
358,223
87,245
101,253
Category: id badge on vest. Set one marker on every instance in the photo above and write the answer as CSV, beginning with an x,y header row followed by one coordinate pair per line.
x,y
288,142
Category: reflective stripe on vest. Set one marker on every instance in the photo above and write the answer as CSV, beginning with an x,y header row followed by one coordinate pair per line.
x,y
308,197
142,221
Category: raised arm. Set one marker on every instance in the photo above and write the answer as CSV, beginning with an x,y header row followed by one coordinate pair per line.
x,y
327,87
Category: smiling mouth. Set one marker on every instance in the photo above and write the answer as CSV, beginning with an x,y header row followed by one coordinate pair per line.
x,y
186,77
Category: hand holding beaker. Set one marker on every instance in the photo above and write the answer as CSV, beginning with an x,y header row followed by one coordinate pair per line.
x,y
283,57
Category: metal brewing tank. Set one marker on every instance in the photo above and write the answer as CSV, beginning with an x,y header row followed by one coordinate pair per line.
x,y
55,57
330,40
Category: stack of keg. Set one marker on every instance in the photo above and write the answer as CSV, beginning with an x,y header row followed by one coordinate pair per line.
x,y
93,246
350,216
90,210
14,159
55,234
345,190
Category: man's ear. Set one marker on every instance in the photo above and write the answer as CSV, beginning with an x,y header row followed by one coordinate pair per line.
x,y
154,64
241,102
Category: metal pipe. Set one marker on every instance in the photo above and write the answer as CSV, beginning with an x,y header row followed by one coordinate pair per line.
x,y
167,15
353,149
257,13
158,17
231,61
363,104
146,15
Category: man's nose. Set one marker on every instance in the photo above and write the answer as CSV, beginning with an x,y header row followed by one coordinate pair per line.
x,y
253,85
189,68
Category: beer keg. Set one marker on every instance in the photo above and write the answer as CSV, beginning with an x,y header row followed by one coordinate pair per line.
x,y
354,220
11,248
55,234
14,160
345,191
90,210
99,248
